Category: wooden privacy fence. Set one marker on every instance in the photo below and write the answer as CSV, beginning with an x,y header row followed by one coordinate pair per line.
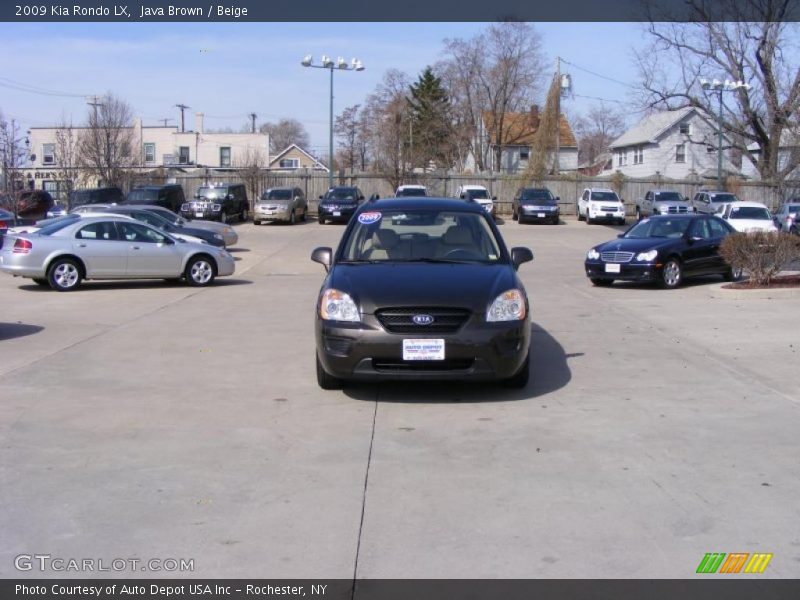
x,y
504,187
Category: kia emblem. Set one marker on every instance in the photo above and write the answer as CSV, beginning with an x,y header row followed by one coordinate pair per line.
x,y
422,319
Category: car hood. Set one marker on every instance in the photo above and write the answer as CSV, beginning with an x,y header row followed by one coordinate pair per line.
x,y
752,224
389,284
636,244
671,203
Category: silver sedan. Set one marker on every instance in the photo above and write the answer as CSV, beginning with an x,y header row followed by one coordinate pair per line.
x,y
68,251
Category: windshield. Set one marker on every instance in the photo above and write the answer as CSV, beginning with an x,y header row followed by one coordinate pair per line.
x,y
421,236
723,198
750,212
476,194
341,194
277,195
143,196
668,197
612,196
538,196
212,193
57,224
411,192
47,222
659,228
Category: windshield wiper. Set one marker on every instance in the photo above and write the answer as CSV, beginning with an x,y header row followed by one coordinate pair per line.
x,y
360,261
436,260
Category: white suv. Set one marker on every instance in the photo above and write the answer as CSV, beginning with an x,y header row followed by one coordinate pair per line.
x,y
600,204
478,194
411,190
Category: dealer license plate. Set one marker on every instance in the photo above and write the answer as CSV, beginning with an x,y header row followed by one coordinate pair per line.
x,y
423,349
540,215
337,213
612,268
198,215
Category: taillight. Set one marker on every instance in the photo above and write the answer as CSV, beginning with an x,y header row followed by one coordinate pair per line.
x,y
22,246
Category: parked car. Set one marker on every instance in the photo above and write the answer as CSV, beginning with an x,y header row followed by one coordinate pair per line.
x,y
711,202
785,218
479,195
167,196
228,233
58,209
103,195
664,249
748,216
65,253
281,204
535,204
411,191
7,220
600,204
339,204
218,203
662,202
27,205
187,233
436,296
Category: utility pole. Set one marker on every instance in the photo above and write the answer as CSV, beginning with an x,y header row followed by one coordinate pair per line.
x,y
182,108
94,104
252,122
556,167
165,120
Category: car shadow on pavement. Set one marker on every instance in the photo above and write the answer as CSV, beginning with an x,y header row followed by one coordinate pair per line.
x,y
693,282
9,331
549,371
89,286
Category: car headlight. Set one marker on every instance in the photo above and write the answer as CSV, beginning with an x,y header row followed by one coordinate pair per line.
x,y
592,254
216,207
228,230
185,206
282,206
508,306
648,256
338,306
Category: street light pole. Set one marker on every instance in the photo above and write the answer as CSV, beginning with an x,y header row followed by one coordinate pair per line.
x,y
341,65
721,86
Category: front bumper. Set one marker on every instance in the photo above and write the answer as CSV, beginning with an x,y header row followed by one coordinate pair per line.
x,y
537,213
336,213
599,215
477,352
226,265
633,271
201,212
262,213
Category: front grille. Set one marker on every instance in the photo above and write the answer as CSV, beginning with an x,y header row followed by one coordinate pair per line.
x,y
395,365
675,210
609,208
616,257
400,320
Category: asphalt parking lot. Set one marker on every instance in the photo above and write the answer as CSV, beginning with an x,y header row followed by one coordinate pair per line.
x,y
155,420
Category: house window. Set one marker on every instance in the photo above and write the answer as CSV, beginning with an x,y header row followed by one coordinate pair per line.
x,y
149,153
183,155
48,154
225,156
622,157
289,163
638,155
524,154
685,128
680,153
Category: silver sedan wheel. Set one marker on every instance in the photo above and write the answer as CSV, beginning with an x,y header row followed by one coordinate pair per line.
x,y
65,275
671,274
200,272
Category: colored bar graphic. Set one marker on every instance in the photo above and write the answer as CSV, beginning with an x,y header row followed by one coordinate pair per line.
x,y
711,562
758,563
734,562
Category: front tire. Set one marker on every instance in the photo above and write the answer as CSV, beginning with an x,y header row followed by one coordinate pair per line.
x,y
244,214
671,274
578,210
327,381
732,274
638,214
514,215
200,271
223,217
321,220
292,218
256,222
601,282
520,379
64,275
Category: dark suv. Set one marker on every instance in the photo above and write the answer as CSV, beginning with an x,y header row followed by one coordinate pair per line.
x,y
168,196
422,289
218,203
28,206
104,195
339,204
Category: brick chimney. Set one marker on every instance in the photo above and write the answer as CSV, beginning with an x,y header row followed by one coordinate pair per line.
x,y
198,122
534,117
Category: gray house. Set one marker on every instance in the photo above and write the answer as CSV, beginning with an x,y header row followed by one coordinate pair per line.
x,y
676,144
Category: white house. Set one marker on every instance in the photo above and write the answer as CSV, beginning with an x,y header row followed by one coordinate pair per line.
x,y
676,144
158,147
516,135
294,157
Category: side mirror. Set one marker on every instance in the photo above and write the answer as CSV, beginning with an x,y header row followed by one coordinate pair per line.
x,y
463,196
558,198
361,197
520,254
169,241
323,255
494,198
320,197
620,235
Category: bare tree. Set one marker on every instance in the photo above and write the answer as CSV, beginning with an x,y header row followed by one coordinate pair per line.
x,y
595,130
348,130
285,133
495,73
757,46
251,164
14,153
106,148
66,169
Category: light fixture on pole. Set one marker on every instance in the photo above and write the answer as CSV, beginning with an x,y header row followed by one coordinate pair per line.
x,y
339,65
718,87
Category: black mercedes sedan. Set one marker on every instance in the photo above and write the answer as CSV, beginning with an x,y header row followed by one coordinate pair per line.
x,y
664,249
339,204
422,289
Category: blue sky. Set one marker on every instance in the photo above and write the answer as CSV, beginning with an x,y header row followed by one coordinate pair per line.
x,y
227,70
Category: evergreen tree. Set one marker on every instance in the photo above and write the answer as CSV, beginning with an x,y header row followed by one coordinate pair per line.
x,y
430,130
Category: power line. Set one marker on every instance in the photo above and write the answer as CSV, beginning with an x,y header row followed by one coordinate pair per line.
x,y
31,89
607,78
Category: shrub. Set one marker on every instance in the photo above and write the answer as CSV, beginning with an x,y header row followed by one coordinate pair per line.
x,y
760,254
